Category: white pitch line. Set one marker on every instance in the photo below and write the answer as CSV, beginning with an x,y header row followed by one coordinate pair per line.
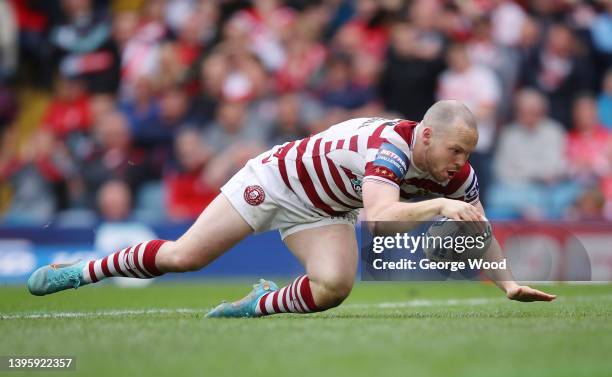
x,y
145,312
104,313
425,303
453,302
382,305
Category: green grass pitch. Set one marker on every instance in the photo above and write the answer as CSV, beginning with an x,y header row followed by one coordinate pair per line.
x,y
390,329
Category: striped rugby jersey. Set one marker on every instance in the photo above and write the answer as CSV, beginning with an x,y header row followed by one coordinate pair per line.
x,y
326,170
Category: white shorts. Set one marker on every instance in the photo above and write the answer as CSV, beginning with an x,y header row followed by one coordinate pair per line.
x,y
260,195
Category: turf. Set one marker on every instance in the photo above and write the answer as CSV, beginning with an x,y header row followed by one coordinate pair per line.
x,y
398,329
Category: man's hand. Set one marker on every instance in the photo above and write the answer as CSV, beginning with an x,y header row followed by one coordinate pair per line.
x,y
527,294
458,210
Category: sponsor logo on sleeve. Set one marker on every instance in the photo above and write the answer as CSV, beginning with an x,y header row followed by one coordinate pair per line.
x,y
392,158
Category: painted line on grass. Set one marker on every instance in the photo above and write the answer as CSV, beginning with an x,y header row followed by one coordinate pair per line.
x,y
454,302
102,313
381,305
423,303
146,312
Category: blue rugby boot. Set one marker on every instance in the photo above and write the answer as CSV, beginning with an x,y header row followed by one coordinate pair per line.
x,y
245,307
56,277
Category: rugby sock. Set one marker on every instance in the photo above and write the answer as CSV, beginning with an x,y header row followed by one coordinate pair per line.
x,y
294,298
133,262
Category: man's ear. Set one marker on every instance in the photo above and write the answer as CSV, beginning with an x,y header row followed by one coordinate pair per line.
x,y
427,135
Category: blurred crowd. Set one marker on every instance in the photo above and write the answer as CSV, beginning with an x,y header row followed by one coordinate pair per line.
x,y
153,104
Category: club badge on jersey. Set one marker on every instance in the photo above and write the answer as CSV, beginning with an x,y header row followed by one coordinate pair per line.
x,y
356,184
254,195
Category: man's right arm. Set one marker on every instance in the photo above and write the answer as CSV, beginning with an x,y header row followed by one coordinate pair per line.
x,y
382,205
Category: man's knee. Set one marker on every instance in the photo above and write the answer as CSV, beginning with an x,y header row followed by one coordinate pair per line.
x,y
177,259
185,262
330,291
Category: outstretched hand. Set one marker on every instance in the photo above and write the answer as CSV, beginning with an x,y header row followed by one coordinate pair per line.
x,y
527,294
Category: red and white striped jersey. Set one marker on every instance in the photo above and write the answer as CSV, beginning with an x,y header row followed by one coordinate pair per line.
x,y
326,170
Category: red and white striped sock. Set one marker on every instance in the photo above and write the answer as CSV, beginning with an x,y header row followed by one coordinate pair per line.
x,y
133,262
294,298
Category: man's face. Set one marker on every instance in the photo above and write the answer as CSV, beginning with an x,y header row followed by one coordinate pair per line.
x,y
530,110
585,114
447,151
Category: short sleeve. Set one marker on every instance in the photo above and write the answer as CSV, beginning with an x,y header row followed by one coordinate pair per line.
x,y
389,165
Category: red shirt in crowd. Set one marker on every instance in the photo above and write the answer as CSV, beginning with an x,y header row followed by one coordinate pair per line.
x,y
589,153
187,195
63,117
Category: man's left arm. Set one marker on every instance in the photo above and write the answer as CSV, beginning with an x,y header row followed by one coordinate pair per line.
x,y
503,277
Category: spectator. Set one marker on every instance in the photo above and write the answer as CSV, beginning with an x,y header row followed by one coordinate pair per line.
x,y
289,123
410,73
212,75
171,71
114,201
305,56
245,78
589,206
159,128
142,109
529,41
38,178
365,32
231,73
124,28
69,111
233,140
156,123
425,17
504,62
181,12
479,89
35,52
118,229
447,23
559,70
100,105
530,164
187,191
188,46
193,34
83,46
80,143
141,54
589,149
508,21
340,89
261,29
232,125
113,157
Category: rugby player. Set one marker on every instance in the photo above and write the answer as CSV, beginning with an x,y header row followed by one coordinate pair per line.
x,y
311,191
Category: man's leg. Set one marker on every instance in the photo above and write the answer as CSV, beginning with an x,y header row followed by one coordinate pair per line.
x,y
217,229
329,254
